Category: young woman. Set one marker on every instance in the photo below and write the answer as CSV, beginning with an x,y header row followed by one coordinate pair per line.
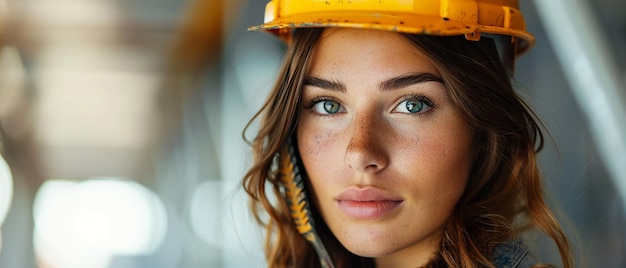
x,y
381,148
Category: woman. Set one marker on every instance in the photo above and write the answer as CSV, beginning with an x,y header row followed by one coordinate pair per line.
x,y
395,149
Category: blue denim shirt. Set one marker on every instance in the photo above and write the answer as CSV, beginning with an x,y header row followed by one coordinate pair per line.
x,y
512,255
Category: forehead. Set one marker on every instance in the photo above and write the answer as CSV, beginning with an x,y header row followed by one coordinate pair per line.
x,y
375,52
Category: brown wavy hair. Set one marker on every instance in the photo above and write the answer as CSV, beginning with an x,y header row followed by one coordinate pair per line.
x,y
504,194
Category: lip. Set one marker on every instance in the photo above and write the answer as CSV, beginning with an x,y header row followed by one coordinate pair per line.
x,y
367,203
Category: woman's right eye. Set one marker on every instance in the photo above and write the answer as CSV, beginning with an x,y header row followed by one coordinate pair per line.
x,y
327,107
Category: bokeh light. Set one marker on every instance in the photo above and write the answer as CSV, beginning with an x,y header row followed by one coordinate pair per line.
x,y
6,189
205,210
86,224
6,192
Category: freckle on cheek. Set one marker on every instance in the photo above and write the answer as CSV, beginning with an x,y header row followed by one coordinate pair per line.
x,y
309,151
312,148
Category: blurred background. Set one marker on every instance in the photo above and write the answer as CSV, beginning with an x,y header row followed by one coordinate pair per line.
x,y
121,129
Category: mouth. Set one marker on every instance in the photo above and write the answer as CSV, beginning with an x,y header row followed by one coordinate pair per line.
x,y
367,203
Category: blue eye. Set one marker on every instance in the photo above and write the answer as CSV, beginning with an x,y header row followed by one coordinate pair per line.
x,y
327,107
414,105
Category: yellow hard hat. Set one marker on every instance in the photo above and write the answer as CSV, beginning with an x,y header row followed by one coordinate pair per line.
x,y
432,17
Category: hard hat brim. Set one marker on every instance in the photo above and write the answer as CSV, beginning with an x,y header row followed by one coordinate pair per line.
x,y
399,22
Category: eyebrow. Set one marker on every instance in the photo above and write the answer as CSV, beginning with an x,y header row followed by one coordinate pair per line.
x,y
387,85
408,80
325,84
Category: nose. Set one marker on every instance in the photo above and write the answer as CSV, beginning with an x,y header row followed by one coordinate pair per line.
x,y
366,152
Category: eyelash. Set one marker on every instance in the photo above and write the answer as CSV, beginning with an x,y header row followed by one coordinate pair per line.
x,y
314,101
418,97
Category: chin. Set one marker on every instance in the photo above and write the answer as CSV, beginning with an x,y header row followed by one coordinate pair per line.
x,y
368,248
367,252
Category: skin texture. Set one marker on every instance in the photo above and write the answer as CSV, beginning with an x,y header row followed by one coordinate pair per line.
x,y
370,145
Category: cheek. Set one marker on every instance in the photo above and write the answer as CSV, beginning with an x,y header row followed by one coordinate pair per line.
x,y
317,149
453,163
319,160
310,145
439,161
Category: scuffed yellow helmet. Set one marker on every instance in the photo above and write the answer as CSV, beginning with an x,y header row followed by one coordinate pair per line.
x,y
432,17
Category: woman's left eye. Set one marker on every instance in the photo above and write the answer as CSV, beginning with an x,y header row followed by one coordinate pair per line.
x,y
414,105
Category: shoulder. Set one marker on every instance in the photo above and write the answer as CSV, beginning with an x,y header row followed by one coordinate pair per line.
x,y
512,254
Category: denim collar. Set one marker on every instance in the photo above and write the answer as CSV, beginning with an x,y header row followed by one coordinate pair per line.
x,y
510,255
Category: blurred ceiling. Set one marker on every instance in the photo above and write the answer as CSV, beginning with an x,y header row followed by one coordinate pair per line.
x,y
94,69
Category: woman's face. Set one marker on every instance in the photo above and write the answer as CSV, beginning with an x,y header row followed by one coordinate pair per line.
x,y
386,151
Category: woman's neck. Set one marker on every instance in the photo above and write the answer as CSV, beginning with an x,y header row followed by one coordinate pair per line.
x,y
417,255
